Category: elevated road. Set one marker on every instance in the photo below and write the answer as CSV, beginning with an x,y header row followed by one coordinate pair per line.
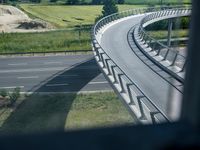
x,y
114,42
149,90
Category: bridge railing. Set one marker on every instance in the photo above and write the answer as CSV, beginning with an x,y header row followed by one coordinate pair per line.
x,y
116,16
138,103
151,46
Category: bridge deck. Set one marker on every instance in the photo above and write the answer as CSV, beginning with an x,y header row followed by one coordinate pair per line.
x,y
114,42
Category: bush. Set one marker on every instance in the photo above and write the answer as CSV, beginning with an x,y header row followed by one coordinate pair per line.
x,y
14,96
53,1
178,23
98,18
3,93
109,7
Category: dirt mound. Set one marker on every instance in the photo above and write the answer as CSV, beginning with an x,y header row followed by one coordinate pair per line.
x,y
32,25
13,19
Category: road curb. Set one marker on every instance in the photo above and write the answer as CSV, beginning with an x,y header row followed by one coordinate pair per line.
x,y
56,53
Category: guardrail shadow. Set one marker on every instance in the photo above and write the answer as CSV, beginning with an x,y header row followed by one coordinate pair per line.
x,y
44,112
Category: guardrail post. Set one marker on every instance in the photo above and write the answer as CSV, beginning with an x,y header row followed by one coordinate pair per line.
x,y
149,43
165,57
113,73
109,72
130,95
121,83
184,65
159,49
169,32
101,55
173,62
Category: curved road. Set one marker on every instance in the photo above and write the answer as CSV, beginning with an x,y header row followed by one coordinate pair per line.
x,y
114,42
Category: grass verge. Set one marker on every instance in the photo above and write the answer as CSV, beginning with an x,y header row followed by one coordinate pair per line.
x,y
162,34
40,113
63,16
45,41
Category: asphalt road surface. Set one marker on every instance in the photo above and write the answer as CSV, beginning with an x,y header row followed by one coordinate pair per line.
x,y
70,73
162,94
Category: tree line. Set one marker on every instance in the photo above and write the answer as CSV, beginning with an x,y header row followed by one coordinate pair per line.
x,y
71,2
93,2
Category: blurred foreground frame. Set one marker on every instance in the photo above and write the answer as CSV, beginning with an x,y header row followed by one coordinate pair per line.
x,y
181,135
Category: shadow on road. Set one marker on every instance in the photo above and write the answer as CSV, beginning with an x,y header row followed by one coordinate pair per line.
x,y
43,112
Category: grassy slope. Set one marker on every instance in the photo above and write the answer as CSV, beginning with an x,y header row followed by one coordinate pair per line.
x,y
137,1
163,34
68,16
96,110
39,113
156,1
45,41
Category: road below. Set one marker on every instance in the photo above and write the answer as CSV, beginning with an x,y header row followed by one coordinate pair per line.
x,y
70,73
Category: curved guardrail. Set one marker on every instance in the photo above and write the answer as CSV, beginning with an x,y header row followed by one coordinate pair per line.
x,y
138,103
166,57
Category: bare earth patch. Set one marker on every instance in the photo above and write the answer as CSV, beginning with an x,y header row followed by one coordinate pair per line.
x,y
14,20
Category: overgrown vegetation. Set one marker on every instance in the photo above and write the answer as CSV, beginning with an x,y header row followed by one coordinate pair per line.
x,y
39,113
14,96
8,99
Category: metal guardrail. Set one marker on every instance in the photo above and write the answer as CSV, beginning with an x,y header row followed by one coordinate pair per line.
x,y
138,103
152,47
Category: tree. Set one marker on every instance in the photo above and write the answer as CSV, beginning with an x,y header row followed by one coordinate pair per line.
x,y
96,2
35,1
53,1
109,7
121,1
72,2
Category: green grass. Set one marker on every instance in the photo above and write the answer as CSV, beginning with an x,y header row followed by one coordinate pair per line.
x,y
136,1
40,113
97,110
163,34
44,41
156,1
68,16
62,17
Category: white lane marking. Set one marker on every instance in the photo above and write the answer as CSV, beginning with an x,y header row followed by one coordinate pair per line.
x,y
44,69
11,87
18,64
33,70
103,82
64,84
71,75
51,85
28,77
53,62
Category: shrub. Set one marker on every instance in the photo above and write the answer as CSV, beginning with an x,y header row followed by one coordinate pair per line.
x,y
3,93
98,18
14,96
